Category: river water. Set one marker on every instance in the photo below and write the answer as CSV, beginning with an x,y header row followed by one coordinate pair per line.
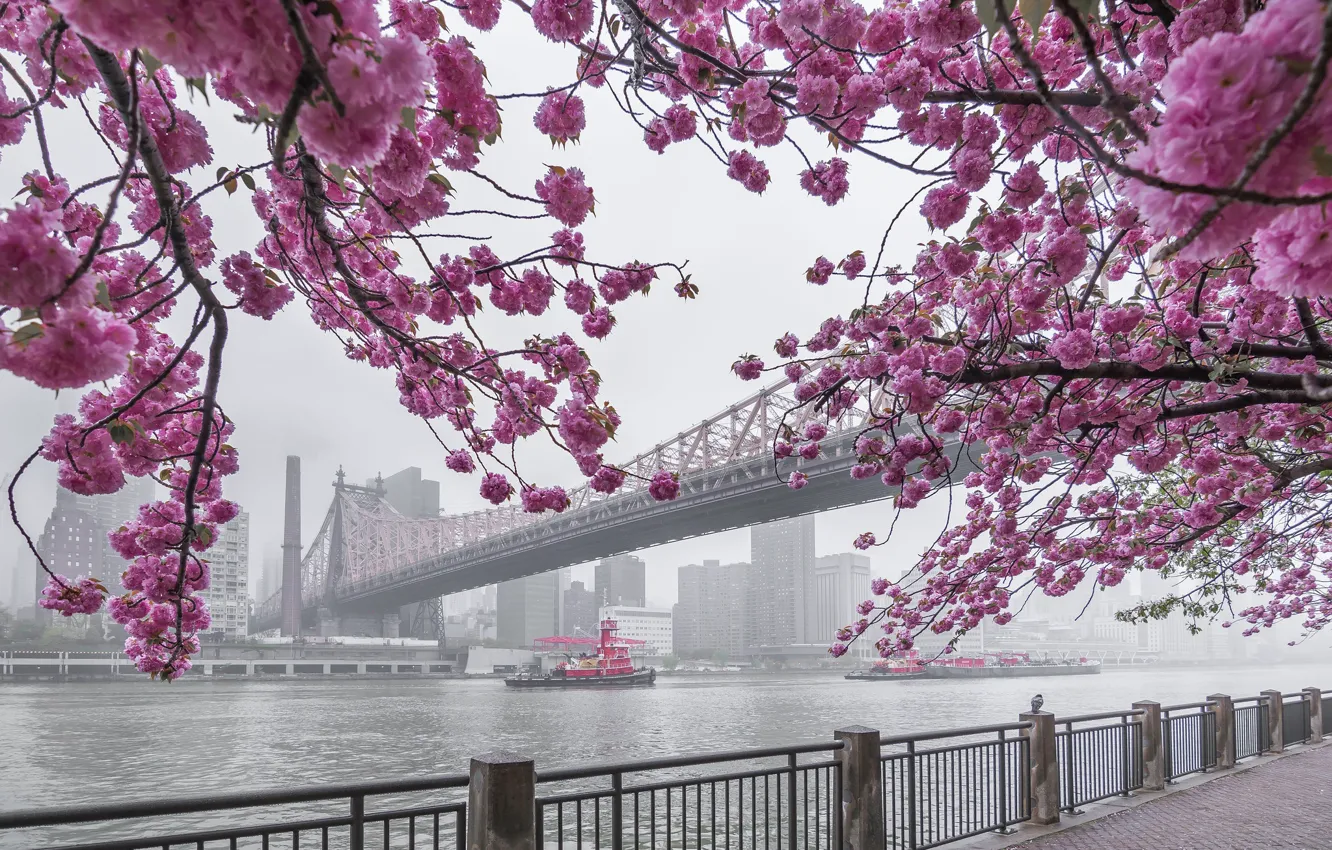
x,y
118,741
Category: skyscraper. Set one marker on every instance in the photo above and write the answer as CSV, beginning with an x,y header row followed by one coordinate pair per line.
x,y
72,544
621,580
780,610
580,611
410,494
228,595
841,582
526,609
710,613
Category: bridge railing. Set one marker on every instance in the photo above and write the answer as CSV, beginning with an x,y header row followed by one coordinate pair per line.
x,y
859,789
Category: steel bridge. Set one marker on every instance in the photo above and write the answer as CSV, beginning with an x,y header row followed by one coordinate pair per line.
x,y
368,559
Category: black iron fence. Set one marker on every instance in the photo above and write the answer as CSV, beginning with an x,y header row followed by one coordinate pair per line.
x,y
1252,736
1295,727
1101,760
908,792
1188,738
946,786
756,798
418,813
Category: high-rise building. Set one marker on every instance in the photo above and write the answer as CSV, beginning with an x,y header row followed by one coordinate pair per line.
x,y
580,611
710,613
410,494
780,610
228,593
621,580
72,544
841,582
112,510
562,580
417,498
526,609
653,626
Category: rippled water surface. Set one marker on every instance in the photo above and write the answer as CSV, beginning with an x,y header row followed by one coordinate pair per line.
x,y
119,741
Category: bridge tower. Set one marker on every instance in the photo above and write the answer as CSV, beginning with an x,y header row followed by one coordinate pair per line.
x,y
291,550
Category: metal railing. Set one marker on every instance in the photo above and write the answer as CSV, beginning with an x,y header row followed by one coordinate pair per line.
x,y
1327,715
1295,719
945,792
1096,762
1188,738
1252,736
768,798
430,823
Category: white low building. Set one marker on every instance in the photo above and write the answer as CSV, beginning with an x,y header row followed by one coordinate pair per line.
x,y
653,626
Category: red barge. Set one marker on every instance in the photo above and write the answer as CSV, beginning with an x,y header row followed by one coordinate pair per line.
x,y
611,666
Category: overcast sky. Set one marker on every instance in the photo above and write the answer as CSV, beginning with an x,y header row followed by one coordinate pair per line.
x,y
666,365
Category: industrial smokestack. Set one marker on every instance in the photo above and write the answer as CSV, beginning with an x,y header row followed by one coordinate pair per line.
x,y
291,551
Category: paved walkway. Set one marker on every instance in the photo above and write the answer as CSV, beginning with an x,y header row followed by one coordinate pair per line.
x,y
1284,805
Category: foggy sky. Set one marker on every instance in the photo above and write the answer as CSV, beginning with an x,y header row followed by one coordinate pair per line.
x,y
666,365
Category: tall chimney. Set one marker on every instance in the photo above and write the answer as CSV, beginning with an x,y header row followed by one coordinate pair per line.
x,y
291,551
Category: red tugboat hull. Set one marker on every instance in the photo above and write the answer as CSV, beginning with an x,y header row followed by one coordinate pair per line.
x,y
638,678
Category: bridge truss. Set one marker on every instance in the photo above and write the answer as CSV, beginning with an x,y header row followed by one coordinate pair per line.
x,y
367,554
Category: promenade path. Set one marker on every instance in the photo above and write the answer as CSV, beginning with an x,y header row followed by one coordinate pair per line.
x,y
1281,805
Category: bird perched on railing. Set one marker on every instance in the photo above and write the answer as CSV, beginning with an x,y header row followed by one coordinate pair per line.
x,y
1036,703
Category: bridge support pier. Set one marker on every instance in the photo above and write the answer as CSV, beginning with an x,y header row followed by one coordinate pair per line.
x,y
392,622
328,624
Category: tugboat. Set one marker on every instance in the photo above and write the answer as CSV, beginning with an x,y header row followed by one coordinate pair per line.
x,y
611,666
906,667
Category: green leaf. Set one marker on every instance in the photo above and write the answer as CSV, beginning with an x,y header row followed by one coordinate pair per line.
x,y
150,62
1088,8
197,84
221,171
1322,161
409,118
1033,12
441,181
120,432
988,14
103,295
27,333
248,181
204,535
338,173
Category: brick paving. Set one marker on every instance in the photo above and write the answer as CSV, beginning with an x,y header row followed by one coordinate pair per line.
x,y
1286,805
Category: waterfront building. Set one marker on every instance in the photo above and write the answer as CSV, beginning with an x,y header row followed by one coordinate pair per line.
x,y
780,610
710,614
653,626
621,580
526,609
228,594
580,611
841,582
